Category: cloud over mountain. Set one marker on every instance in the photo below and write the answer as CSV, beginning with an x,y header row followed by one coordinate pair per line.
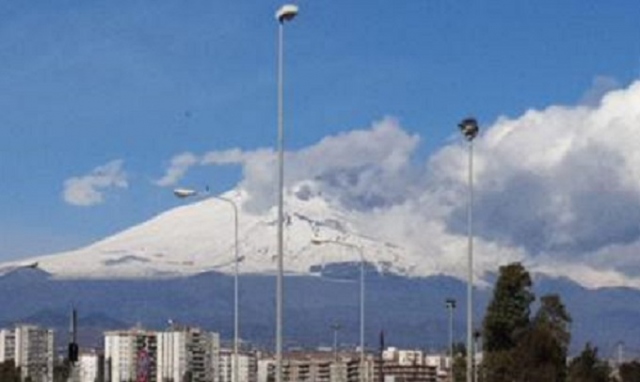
x,y
558,188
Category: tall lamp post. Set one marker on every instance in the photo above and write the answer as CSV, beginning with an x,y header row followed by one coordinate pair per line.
x,y
362,292
285,13
186,193
469,129
451,306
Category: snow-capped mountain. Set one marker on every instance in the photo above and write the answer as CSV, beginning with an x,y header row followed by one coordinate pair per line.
x,y
199,237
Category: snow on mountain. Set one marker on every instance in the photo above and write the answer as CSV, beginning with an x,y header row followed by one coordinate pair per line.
x,y
198,237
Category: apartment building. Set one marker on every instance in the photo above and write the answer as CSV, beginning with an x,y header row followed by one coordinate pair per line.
x,y
393,365
175,355
31,349
130,355
90,367
247,366
186,353
399,365
314,366
7,344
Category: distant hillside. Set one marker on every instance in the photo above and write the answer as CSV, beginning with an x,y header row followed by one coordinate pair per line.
x,y
411,311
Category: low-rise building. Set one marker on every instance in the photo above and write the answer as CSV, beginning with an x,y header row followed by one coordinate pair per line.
x,y
314,366
247,366
398,365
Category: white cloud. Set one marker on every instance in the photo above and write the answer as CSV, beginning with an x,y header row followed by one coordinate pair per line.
x,y
554,186
88,190
561,183
363,169
178,166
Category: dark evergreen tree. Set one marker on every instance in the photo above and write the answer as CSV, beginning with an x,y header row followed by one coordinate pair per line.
x,y
506,322
541,353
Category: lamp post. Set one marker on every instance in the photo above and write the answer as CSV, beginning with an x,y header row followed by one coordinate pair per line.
x,y
285,13
362,292
451,305
336,328
477,343
469,129
186,193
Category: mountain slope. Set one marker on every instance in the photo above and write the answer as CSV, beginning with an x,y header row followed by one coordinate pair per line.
x,y
199,237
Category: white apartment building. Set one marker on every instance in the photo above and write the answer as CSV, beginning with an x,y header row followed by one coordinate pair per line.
x,y
7,344
175,355
186,353
89,367
31,349
415,365
247,366
314,366
130,355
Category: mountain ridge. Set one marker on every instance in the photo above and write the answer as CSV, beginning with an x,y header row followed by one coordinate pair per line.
x,y
411,310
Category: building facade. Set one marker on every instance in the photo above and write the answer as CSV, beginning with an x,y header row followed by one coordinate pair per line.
x,y
130,355
90,367
186,353
398,365
33,352
247,366
176,355
314,366
7,344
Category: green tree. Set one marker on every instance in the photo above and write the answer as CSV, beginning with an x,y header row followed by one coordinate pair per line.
x,y
587,367
506,321
541,352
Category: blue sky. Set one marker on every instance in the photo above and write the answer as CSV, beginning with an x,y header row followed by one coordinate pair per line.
x,y
131,84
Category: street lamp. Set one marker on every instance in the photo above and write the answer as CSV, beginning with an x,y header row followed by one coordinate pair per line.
x,y
286,13
362,290
451,305
469,129
186,193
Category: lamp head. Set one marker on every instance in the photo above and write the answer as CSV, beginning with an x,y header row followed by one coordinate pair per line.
x,y
451,303
469,128
286,13
184,192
